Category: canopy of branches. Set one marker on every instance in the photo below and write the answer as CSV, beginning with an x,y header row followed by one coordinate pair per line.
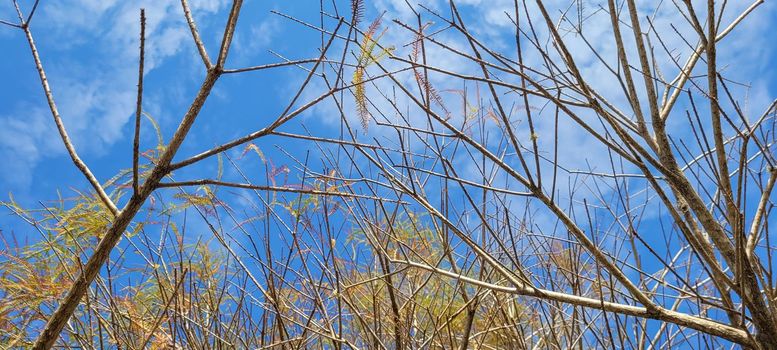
x,y
450,174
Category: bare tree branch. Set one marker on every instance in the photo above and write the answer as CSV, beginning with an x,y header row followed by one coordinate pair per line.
x,y
63,132
139,104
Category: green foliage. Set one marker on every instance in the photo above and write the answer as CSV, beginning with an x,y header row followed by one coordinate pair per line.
x,y
366,57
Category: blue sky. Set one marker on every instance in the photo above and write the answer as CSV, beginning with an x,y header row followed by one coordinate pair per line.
x,y
90,52
89,48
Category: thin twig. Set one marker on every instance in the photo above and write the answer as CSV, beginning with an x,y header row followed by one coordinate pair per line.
x,y
283,118
32,12
10,24
138,106
270,188
195,34
61,128
270,65
159,318
229,32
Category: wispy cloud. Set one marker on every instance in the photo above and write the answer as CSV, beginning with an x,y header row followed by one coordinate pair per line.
x,y
90,50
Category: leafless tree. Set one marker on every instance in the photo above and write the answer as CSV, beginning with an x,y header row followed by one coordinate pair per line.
x,y
452,210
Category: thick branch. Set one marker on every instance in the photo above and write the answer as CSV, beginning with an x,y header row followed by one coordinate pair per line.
x,y
701,324
68,305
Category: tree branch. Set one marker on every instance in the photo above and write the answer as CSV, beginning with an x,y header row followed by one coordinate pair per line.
x,y
139,104
61,128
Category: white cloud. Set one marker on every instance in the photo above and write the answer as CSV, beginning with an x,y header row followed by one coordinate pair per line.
x,y
255,42
747,52
89,49
23,141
